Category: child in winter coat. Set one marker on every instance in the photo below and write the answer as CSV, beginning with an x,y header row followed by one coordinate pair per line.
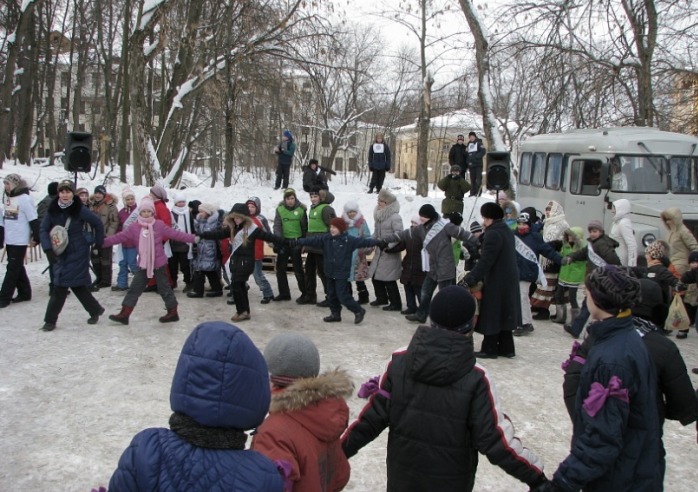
x,y
207,262
307,416
412,276
571,276
182,254
622,232
254,206
599,252
357,227
129,252
149,234
337,249
220,389
242,232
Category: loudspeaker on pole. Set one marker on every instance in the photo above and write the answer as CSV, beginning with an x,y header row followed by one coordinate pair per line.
x,y
498,170
78,152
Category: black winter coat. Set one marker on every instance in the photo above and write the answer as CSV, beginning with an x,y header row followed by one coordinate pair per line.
x,y
338,251
412,272
500,308
528,270
441,410
458,156
604,246
617,449
314,180
72,268
476,151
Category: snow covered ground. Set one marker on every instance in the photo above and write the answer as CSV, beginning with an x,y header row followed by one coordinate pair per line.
x,y
71,400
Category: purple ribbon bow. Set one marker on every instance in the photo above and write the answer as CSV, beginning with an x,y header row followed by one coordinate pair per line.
x,y
598,395
573,357
371,387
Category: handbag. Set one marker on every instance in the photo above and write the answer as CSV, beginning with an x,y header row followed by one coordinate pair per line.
x,y
59,237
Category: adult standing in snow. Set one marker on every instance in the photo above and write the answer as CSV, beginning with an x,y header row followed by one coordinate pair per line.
x,y
500,308
454,187
441,408
616,436
386,267
476,152
19,229
319,217
284,152
378,162
220,389
314,177
104,206
71,269
622,232
458,155
290,222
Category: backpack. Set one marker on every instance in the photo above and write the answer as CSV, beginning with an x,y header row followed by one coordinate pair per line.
x,y
59,237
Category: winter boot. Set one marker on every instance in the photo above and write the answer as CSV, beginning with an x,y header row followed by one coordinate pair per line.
x,y
542,314
170,317
560,314
237,317
363,295
94,318
123,315
574,312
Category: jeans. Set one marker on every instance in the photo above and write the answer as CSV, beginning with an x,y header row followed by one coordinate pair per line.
x,y
412,293
140,280
261,280
428,288
128,263
338,295
57,300
16,275
282,270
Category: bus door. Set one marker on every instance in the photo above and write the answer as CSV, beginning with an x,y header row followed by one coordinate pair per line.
x,y
588,177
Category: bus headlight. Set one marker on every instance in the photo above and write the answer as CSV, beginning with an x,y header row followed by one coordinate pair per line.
x,y
648,239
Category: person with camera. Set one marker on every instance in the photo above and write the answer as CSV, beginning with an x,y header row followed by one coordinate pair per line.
x,y
454,187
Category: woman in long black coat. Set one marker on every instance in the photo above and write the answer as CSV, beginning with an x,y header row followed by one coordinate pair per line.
x,y
500,308
71,269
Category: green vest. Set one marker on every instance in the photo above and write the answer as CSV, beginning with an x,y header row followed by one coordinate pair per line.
x,y
291,221
315,223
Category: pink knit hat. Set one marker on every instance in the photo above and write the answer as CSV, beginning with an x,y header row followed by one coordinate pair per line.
x,y
127,192
147,204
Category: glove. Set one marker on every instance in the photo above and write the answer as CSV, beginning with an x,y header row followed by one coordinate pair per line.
x,y
680,286
547,486
566,260
51,256
469,281
96,251
381,244
290,243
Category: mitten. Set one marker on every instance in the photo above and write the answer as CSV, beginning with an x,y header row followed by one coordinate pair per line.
x,y
96,251
290,243
381,244
566,260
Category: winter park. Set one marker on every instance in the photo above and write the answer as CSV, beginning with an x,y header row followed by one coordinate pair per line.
x,y
422,245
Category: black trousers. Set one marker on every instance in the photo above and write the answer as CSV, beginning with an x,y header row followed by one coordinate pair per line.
x,y
240,296
16,275
500,344
58,297
282,270
339,294
283,171
179,262
475,180
102,265
377,179
214,279
314,262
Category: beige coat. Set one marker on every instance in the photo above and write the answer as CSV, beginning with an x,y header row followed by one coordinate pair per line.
x,y
680,239
386,266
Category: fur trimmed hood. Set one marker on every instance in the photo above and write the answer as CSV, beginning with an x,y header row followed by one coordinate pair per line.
x,y
306,391
382,214
109,199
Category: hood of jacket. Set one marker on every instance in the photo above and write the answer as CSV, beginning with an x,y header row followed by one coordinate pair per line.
x,y
439,357
579,234
73,210
109,199
221,379
622,208
382,214
317,403
325,196
673,213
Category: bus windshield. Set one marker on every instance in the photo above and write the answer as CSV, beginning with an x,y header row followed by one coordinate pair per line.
x,y
684,177
639,174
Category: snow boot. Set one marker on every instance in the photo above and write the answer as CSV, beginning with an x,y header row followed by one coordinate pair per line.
x,y
363,295
560,314
542,314
170,317
123,315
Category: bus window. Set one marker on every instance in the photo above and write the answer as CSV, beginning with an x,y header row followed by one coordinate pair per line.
x,y
538,175
585,177
553,176
684,174
525,168
645,174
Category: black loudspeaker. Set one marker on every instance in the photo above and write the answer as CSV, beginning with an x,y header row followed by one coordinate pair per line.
x,y
78,152
498,173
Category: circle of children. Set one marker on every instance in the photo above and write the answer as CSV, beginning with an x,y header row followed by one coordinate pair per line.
x,y
438,403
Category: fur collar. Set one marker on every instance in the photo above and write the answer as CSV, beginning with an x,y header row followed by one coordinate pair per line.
x,y
306,391
73,210
382,214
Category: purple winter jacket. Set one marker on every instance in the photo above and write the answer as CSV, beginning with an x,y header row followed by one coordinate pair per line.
x,y
131,235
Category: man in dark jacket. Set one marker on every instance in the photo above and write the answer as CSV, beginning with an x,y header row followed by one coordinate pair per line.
x,y
458,155
220,389
616,436
42,207
314,178
441,409
378,162
500,309
476,152
454,187
284,152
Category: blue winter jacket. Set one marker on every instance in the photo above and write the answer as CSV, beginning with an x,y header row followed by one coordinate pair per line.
x,y
221,380
617,449
72,268
528,270
338,251
208,254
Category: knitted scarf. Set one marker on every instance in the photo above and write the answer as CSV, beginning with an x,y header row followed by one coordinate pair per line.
x,y
206,437
146,245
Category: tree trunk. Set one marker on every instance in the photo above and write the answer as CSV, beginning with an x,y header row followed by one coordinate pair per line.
x,y
125,101
24,97
423,129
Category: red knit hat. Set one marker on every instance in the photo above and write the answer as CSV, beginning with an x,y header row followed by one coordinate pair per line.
x,y
339,223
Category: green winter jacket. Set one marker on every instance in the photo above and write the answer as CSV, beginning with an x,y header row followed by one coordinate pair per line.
x,y
454,189
573,274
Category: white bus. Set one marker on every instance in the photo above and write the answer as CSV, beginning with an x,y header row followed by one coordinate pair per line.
x,y
586,170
